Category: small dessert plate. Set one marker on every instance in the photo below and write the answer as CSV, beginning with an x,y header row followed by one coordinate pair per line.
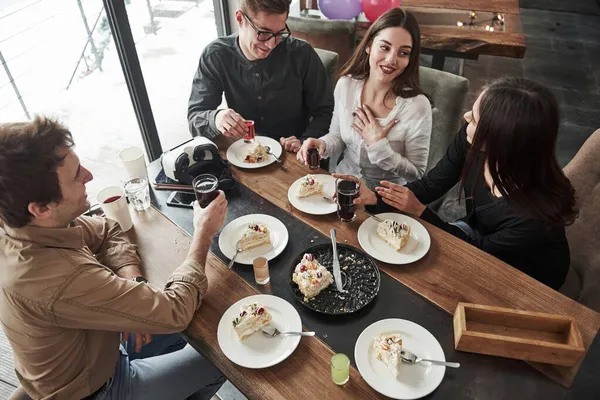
x,y
236,153
233,231
316,204
258,350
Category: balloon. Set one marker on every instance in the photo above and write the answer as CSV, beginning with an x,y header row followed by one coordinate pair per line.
x,y
374,8
340,9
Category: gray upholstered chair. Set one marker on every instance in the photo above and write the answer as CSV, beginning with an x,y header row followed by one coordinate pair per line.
x,y
583,281
322,33
447,93
330,61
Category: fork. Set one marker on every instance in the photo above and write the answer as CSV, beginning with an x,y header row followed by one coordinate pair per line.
x,y
272,332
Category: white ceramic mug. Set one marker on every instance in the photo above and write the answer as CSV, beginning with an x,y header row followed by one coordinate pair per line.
x,y
117,209
134,162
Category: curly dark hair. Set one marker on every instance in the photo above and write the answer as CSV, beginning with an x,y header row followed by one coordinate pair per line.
x,y
253,7
29,157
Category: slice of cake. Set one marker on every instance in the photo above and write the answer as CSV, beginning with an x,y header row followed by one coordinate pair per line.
x,y
387,347
256,154
395,233
252,318
311,277
309,186
255,235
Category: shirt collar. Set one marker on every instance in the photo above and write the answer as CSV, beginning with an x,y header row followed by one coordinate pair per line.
x,y
70,237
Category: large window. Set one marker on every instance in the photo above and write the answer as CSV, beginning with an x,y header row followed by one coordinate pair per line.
x,y
60,58
169,37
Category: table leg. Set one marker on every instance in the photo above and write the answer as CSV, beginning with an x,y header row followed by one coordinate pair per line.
x,y
438,61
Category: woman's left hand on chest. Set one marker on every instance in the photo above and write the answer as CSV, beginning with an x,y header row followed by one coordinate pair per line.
x,y
368,127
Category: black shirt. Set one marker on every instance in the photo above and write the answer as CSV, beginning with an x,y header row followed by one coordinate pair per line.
x,y
286,94
527,244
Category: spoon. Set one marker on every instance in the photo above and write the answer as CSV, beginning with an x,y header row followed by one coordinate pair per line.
x,y
410,358
237,251
272,332
268,149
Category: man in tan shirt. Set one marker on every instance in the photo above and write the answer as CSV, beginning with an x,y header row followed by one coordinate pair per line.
x,y
72,284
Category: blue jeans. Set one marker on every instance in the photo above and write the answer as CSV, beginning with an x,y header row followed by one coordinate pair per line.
x,y
165,368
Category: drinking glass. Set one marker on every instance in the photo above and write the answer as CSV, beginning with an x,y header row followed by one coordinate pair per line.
x,y
206,188
346,191
261,270
313,158
340,368
249,136
138,191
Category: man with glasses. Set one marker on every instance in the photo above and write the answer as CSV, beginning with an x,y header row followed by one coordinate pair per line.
x,y
267,76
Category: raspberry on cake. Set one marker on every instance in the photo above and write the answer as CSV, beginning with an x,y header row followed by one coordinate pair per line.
x,y
387,347
311,277
309,185
256,154
256,234
395,233
252,318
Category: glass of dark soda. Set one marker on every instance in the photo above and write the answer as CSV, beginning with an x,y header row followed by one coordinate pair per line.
x,y
313,158
206,187
346,192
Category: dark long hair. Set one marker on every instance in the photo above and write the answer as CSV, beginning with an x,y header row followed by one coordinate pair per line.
x,y
517,132
407,83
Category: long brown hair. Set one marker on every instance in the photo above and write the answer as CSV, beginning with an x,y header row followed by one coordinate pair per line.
x,y
407,83
516,133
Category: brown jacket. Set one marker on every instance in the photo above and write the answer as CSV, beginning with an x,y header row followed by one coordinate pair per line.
x,y
62,306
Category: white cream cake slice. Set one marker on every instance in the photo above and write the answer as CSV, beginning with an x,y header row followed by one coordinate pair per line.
x,y
309,186
394,233
256,234
256,154
252,318
387,347
311,277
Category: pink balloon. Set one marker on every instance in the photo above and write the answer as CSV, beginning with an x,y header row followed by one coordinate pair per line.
x,y
374,8
340,9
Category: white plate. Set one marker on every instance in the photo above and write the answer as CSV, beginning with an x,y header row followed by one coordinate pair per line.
x,y
233,232
258,350
417,246
238,151
314,205
414,381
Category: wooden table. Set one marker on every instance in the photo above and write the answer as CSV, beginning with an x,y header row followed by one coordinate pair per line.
x,y
440,35
451,272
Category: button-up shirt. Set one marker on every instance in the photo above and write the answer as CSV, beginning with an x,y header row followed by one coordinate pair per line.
x,y
62,306
286,94
399,157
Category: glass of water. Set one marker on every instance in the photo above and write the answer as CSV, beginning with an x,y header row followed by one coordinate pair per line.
x,y
138,191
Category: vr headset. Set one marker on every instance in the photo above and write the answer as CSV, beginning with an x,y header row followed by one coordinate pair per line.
x,y
195,157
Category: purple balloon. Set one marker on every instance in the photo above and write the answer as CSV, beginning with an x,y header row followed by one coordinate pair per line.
x,y
340,9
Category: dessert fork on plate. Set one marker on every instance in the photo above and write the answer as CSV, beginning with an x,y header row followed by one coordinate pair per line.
x,y
272,332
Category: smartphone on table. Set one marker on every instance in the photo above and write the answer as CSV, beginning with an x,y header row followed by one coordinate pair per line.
x,y
181,199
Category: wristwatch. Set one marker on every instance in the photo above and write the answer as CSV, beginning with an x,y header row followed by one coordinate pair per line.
x,y
140,279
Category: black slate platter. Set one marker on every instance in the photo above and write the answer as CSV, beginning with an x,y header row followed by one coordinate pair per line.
x,y
360,278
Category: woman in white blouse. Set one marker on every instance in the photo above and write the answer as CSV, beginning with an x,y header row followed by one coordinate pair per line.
x,y
381,119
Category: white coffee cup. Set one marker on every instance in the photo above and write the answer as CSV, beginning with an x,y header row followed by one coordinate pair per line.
x,y
117,209
134,162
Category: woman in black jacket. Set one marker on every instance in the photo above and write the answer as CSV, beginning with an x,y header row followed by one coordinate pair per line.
x,y
518,200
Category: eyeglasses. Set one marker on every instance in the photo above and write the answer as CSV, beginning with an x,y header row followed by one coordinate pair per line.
x,y
265,36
